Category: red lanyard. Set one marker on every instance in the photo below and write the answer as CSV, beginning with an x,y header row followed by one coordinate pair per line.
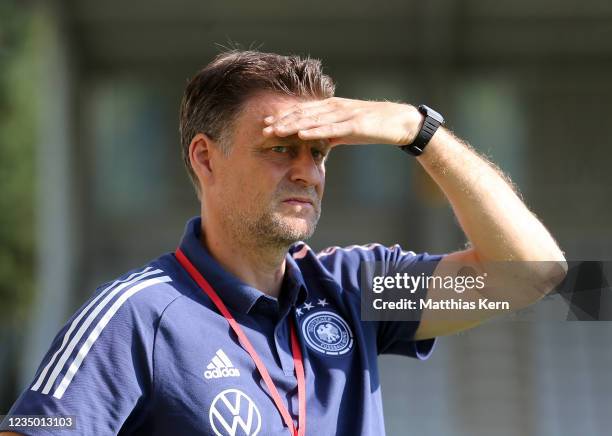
x,y
246,344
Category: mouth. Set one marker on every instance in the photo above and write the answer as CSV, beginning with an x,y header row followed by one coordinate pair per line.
x,y
298,201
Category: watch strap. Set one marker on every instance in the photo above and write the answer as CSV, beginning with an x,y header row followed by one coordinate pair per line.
x,y
432,121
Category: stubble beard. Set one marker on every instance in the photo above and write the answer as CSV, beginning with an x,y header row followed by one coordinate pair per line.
x,y
271,227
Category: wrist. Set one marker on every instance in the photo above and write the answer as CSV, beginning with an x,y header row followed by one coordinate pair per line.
x,y
431,121
415,120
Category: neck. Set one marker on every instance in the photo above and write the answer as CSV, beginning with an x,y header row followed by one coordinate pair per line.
x,y
258,266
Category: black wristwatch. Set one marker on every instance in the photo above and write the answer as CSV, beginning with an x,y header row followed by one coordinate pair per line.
x,y
433,120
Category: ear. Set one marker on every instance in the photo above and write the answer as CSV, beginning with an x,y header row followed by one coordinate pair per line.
x,y
201,150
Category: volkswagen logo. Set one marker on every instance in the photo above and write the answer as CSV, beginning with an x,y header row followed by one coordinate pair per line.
x,y
233,413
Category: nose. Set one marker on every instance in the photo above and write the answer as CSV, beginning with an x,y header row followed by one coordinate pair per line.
x,y
305,170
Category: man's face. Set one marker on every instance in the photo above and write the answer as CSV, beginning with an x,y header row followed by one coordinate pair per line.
x,y
269,189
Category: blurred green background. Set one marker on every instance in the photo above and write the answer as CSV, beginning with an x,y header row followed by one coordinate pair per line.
x,y
92,183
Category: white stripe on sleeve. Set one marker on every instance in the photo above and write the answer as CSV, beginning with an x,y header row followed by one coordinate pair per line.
x,y
73,343
75,322
74,367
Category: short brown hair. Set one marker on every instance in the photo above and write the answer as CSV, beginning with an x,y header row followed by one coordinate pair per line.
x,y
215,95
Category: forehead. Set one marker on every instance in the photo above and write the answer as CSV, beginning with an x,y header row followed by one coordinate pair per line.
x,y
265,103
249,123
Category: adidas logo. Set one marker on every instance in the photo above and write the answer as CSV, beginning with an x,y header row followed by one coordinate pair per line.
x,y
220,366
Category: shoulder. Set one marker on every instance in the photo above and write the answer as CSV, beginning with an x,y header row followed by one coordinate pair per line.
x,y
345,264
334,257
141,293
113,330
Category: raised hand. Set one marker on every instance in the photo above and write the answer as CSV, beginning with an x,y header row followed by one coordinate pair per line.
x,y
347,121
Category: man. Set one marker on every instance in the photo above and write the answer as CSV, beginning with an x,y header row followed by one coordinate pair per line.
x,y
245,330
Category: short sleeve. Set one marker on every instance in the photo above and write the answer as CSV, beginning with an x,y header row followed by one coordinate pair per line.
x,y
356,265
397,337
99,366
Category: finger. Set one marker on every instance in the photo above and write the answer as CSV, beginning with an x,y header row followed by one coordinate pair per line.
x,y
315,102
307,123
328,131
296,114
305,108
291,125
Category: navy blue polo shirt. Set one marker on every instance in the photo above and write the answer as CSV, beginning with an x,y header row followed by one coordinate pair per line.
x,y
149,353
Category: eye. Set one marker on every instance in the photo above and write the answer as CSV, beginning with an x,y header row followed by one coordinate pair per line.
x,y
318,154
279,149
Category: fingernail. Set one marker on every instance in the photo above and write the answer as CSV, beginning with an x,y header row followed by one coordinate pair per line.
x,y
268,129
269,119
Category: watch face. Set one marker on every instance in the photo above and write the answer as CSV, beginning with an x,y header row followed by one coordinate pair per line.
x,y
427,111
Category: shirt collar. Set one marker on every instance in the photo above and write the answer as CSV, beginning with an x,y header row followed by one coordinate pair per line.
x,y
235,293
